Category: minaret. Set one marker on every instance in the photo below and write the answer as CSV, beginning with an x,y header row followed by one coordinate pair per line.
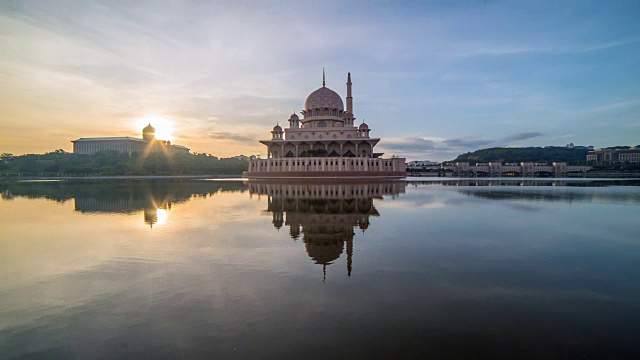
x,y
323,82
349,97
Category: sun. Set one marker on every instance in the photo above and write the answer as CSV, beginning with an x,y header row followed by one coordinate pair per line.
x,y
162,215
163,126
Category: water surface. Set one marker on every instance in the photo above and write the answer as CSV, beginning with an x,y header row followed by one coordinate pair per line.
x,y
457,269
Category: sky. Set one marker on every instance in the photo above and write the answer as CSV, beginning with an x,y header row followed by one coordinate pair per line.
x,y
432,79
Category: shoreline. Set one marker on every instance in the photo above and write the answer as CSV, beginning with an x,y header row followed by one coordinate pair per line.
x,y
120,177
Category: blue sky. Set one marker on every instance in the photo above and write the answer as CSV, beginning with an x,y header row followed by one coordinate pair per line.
x,y
432,79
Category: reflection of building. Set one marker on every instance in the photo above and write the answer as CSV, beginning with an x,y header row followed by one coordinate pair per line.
x,y
325,215
147,144
631,155
153,206
325,143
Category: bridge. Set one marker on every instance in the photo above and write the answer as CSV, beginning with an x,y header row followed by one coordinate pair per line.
x,y
524,169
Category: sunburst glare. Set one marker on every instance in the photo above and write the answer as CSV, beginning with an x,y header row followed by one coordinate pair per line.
x,y
163,126
162,216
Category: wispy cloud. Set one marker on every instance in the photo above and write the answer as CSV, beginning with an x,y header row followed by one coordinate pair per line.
x,y
468,141
232,137
522,136
490,49
410,144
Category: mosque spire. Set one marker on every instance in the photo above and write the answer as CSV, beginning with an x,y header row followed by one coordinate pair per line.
x,y
349,97
323,82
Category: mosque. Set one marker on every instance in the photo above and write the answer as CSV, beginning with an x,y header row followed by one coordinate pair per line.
x,y
147,144
325,142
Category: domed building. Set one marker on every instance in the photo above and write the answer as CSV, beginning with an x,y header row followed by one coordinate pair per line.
x,y
148,144
325,142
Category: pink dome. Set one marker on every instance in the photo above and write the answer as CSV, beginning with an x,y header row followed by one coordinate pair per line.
x,y
363,126
324,98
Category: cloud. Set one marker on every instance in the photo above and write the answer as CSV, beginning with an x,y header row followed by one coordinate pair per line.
x,y
468,141
489,49
410,144
522,136
232,137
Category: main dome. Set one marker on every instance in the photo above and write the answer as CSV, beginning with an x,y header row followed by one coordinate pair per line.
x,y
324,98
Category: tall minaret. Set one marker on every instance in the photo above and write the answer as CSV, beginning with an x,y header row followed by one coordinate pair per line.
x,y
349,97
323,82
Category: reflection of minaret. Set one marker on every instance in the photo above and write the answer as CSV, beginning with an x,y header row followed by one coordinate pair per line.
x,y
349,255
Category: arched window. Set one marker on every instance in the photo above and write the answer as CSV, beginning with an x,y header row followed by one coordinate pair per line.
x,y
317,112
325,112
334,112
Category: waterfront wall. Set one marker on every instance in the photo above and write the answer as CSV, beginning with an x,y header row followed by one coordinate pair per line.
x,y
326,167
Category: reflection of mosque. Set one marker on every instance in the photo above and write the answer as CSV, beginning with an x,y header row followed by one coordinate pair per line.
x,y
325,215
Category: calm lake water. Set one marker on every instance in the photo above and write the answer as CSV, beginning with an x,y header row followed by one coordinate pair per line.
x,y
469,269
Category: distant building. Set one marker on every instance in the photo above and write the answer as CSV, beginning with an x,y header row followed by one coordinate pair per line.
x,y
419,164
630,155
578,147
148,144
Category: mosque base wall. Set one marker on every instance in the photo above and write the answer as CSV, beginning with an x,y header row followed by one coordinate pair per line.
x,y
324,174
324,167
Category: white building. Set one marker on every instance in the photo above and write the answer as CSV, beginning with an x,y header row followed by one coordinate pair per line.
x,y
147,144
419,164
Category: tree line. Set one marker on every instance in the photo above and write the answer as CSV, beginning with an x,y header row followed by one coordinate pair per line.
x,y
526,154
116,163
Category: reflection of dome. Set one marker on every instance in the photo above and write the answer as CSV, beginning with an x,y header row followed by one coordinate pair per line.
x,y
324,254
324,98
363,126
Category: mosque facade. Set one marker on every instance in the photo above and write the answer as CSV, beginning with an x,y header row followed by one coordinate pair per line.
x,y
324,142
145,145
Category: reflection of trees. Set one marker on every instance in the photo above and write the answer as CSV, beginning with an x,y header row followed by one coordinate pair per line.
x,y
526,182
129,196
561,195
325,215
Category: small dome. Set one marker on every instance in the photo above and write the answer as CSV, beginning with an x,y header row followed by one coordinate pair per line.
x,y
324,98
347,115
363,126
149,129
277,128
294,117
